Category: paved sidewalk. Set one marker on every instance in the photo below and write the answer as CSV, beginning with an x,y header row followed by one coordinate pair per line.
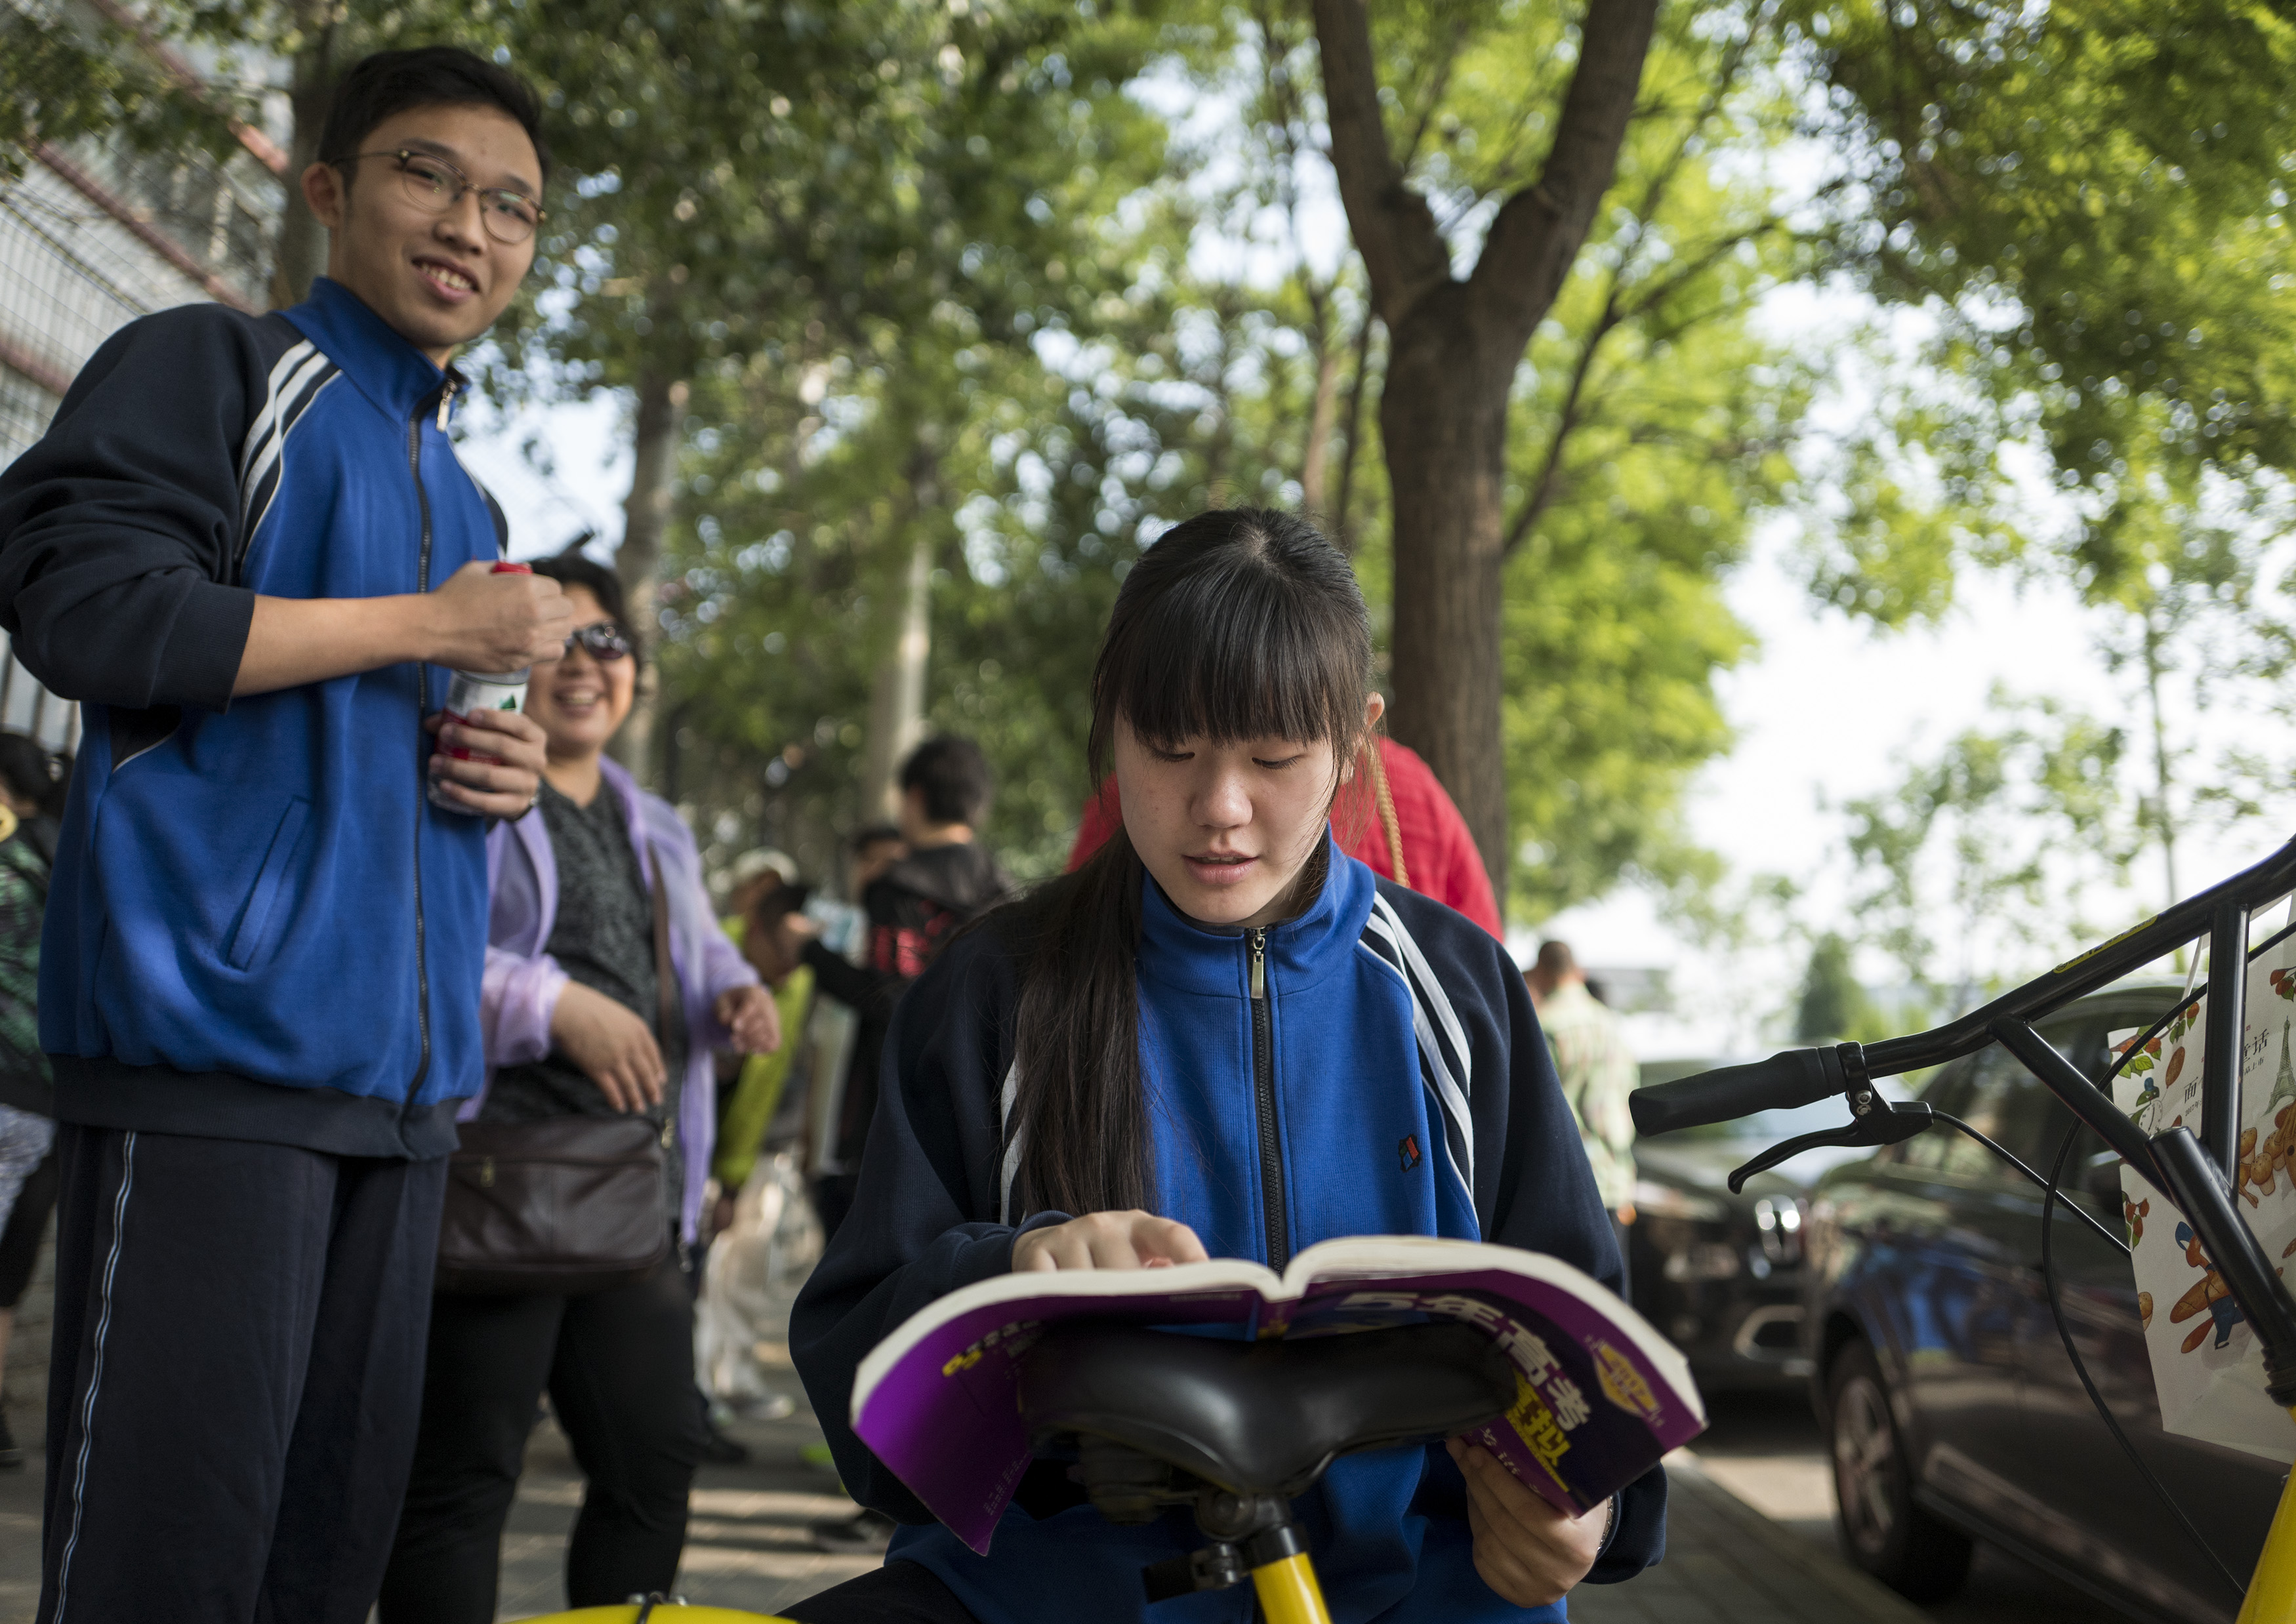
x,y
1726,1564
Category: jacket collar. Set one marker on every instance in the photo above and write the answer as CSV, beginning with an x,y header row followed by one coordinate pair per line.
x,y
1180,954
381,364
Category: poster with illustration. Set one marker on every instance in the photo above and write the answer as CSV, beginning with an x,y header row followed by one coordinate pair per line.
x,y
2207,1368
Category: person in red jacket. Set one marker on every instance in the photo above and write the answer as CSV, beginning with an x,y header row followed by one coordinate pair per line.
x,y
1396,817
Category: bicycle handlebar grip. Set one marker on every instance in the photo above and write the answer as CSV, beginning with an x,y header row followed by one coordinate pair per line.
x,y
1793,1076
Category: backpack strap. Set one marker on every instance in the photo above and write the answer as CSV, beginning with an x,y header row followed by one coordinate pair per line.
x,y
1388,821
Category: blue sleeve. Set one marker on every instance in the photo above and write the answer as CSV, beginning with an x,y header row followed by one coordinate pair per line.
x,y
924,1218
119,530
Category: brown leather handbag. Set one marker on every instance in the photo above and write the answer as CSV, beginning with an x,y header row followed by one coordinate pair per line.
x,y
568,1205
565,1205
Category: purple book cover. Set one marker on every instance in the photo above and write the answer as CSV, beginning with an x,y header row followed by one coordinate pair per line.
x,y
1599,1395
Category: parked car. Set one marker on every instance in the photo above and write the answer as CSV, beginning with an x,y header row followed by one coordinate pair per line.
x,y
1950,1408
1719,1274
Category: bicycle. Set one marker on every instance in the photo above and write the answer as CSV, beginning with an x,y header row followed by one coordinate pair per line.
x,y
2198,1174
1234,1431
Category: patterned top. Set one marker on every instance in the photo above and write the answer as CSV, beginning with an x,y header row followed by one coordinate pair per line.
x,y
1598,1073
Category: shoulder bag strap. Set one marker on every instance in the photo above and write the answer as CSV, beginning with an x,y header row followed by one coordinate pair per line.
x,y
665,968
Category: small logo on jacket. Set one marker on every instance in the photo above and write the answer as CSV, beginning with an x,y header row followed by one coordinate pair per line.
x,y
1409,1152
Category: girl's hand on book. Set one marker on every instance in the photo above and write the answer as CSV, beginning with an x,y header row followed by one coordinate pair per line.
x,y
1526,1550
1108,1240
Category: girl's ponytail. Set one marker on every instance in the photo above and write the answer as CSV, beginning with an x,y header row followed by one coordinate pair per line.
x,y
1082,1111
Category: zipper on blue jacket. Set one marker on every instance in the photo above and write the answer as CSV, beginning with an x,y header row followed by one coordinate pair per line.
x,y
1263,1088
422,803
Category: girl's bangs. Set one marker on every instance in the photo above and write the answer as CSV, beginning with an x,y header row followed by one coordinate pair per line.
x,y
1230,655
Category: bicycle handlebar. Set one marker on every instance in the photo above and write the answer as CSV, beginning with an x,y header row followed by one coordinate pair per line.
x,y
1791,1077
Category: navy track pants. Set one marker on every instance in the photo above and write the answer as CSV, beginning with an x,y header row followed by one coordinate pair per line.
x,y
236,1376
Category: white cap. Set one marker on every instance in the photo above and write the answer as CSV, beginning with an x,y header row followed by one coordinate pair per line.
x,y
760,860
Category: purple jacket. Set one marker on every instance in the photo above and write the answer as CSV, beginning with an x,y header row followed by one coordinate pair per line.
x,y
523,982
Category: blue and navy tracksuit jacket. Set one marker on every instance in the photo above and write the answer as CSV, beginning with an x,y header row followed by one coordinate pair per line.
x,y
1392,1081
258,928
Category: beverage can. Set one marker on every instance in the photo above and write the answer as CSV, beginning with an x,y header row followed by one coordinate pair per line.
x,y
470,692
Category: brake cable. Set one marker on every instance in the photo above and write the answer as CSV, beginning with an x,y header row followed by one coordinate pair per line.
x,y
2081,1213
2051,1193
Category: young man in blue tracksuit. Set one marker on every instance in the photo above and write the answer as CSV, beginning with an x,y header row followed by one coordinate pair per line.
x,y
1222,1037
246,546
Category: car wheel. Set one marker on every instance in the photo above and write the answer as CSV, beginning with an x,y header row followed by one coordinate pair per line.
x,y
1882,1529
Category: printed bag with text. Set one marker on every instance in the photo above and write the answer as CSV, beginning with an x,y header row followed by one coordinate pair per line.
x,y
2207,1368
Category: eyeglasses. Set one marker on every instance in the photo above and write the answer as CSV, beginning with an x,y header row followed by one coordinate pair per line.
x,y
604,641
434,185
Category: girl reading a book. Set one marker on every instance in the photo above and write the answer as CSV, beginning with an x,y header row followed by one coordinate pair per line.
x,y
1222,1037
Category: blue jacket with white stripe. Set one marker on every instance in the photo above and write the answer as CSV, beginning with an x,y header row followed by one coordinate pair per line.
x,y
258,928
1413,1094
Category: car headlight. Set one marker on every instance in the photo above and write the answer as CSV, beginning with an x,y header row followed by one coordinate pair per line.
x,y
1655,1199
1781,1225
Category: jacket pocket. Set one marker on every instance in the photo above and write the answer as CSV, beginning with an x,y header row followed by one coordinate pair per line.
x,y
257,931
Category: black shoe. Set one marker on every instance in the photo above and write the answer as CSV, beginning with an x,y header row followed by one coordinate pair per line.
x,y
12,1457
719,1450
864,1533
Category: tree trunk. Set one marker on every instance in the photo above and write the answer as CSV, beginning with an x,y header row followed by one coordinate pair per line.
x,y
1343,530
661,403
1316,493
1443,417
1453,348
897,696
300,252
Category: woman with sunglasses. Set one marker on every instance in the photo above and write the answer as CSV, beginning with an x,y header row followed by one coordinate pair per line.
x,y
575,1026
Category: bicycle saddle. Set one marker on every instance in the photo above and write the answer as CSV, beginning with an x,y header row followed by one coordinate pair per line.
x,y
1259,1418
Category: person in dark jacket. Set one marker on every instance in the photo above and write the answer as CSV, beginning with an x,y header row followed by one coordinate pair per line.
x,y
30,777
246,546
943,877
1212,1039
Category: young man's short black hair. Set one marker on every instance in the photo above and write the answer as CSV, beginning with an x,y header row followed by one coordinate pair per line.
x,y
955,777
574,569
389,82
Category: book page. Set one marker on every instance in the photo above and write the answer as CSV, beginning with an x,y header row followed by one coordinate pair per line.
x,y
1599,1394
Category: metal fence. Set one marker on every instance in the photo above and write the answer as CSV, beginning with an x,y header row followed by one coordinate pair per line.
x,y
91,237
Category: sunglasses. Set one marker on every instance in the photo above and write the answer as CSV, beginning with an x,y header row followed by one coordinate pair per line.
x,y
604,641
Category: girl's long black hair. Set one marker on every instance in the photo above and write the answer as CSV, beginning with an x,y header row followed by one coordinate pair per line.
x,y
1237,624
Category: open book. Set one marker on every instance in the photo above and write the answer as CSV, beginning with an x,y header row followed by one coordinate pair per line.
x,y
1600,1396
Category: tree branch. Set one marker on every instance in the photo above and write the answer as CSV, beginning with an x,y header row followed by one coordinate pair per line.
x,y
1394,230
1548,484
1540,230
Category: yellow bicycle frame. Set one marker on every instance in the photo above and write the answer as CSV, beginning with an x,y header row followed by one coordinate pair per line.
x,y
1289,1593
2272,1587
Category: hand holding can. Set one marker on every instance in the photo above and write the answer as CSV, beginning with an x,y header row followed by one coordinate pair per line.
x,y
470,692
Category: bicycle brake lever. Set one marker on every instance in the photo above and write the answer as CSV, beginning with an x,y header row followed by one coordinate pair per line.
x,y
1886,1124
